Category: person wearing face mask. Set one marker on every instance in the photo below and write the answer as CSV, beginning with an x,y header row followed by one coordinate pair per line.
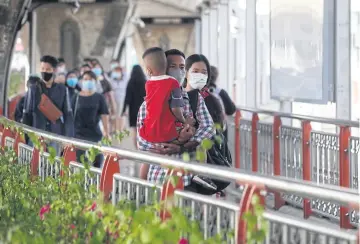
x,y
204,130
89,109
33,80
198,69
118,82
61,68
72,83
135,93
83,68
57,94
164,101
197,77
60,78
104,86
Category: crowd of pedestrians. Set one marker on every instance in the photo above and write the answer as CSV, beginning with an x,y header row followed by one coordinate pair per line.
x,y
172,105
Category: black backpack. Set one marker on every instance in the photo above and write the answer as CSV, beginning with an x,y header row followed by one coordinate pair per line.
x,y
219,154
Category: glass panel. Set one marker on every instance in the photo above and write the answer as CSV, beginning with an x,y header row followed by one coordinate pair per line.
x,y
263,51
297,49
355,59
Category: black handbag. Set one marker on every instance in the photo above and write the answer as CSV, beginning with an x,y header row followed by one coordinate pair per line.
x,y
219,154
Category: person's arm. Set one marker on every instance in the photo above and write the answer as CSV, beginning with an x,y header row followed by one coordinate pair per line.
x,y
68,115
178,114
177,102
206,129
104,113
112,101
229,106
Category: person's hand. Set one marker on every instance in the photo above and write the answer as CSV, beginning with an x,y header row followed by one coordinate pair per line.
x,y
186,133
166,149
191,121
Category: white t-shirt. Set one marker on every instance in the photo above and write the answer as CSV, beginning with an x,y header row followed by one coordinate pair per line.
x,y
119,88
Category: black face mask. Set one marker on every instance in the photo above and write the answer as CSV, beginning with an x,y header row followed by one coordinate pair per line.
x,y
46,76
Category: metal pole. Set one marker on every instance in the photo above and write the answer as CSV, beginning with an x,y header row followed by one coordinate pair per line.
x,y
32,41
343,59
251,76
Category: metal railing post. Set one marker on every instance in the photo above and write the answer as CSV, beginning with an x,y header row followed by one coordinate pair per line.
x,y
237,139
344,166
69,156
279,201
7,132
19,138
245,205
111,167
34,165
306,157
168,191
254,142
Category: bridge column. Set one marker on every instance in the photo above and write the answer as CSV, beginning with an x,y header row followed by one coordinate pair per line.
x,y
251,77
11,15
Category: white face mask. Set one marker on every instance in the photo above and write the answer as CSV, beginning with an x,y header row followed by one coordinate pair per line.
x,y
197,80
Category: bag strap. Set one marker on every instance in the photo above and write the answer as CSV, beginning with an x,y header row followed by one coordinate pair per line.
x,y
76,105
193,100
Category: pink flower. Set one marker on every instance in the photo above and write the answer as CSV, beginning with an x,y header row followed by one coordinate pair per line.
x,y
72,226
92,207
45,209
183,241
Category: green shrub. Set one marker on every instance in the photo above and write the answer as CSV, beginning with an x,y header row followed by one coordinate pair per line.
x,y
61,211
16,81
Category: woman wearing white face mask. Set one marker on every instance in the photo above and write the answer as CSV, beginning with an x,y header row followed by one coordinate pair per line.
x,y
197,69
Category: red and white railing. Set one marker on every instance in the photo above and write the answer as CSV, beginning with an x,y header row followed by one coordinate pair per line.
x,y
299,153
215,215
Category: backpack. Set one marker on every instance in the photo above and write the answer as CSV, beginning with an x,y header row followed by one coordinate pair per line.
x,y
219,154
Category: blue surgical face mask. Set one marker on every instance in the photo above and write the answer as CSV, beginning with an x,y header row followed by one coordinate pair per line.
x,y
116,75
97,71
88,85
72,82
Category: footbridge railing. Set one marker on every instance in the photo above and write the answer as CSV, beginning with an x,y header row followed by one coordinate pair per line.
x,y
215,215
270,143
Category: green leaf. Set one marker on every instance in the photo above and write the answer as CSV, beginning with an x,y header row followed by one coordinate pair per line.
x,y
207,144
200,156
218,139
146,236
186,157
255,200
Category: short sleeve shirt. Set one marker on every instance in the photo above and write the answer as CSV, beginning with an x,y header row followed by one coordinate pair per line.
x,y
159,124
88,111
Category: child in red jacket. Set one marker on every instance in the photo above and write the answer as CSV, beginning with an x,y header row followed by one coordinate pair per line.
x,y
163,99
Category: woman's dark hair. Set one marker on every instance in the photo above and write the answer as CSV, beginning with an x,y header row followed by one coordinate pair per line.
x,y
89,73
70,72
137,75
77,86
195,58
215,109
